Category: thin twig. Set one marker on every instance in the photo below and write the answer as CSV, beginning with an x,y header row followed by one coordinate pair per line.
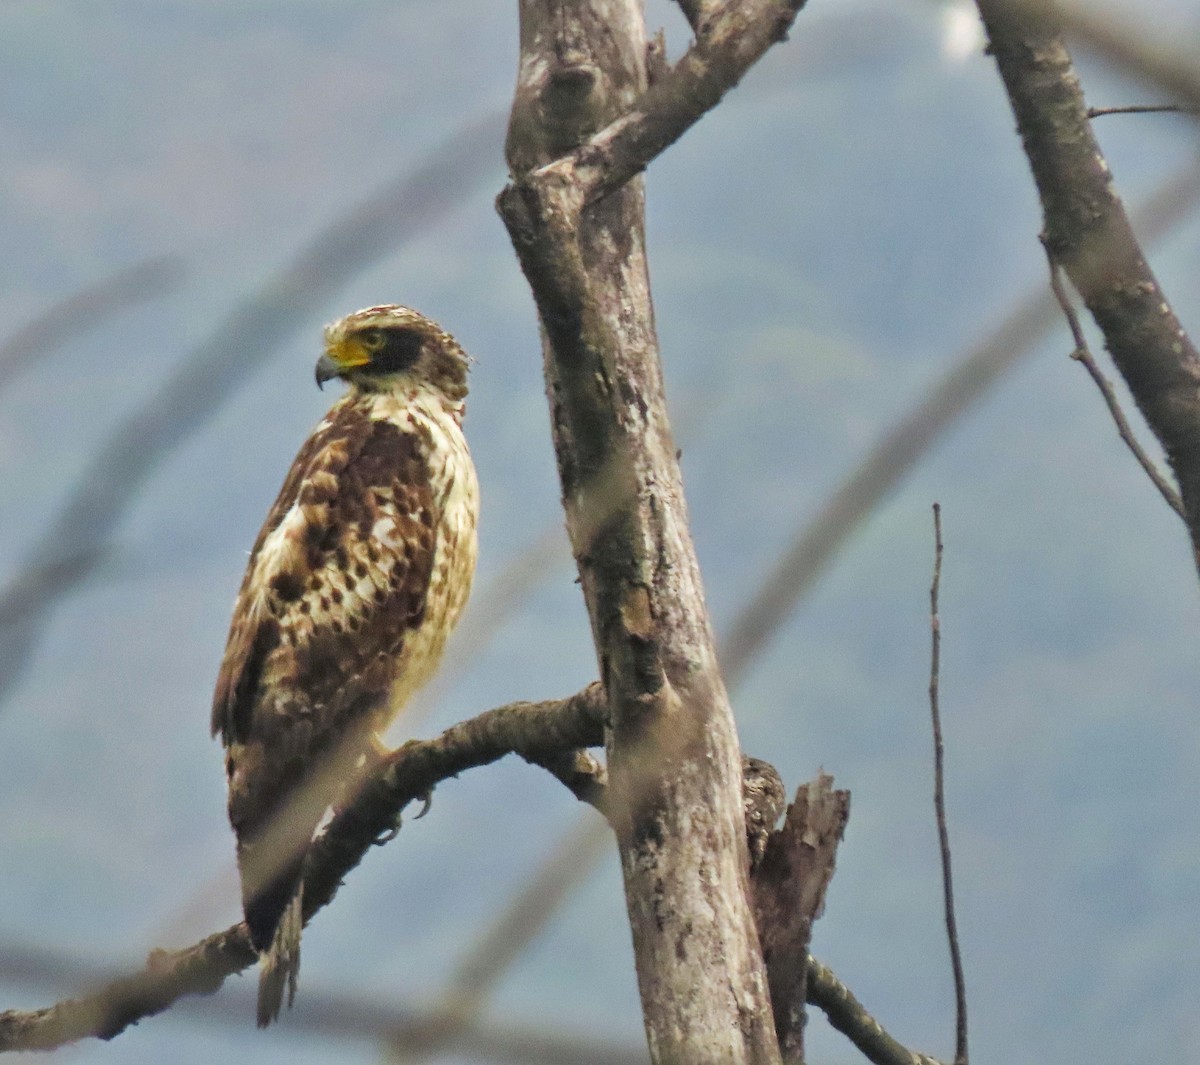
x,y
1142,109
1082,354
939,799
44,582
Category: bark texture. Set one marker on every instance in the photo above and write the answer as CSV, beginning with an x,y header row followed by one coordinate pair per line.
x,y
584,124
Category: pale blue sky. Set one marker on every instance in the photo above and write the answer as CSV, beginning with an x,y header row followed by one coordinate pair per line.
x,y
823,247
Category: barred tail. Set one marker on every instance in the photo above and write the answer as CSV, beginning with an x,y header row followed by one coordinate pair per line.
x,y
281,962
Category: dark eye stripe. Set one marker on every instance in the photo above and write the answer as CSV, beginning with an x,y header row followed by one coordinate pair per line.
x,y
401,349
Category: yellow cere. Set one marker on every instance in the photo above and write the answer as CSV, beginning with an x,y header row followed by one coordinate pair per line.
x,y
349,351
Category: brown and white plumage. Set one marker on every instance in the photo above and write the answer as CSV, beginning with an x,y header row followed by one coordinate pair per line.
x,y
358,576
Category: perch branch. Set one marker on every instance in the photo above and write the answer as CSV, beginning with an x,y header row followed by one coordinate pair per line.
x,y
202,968
342,1015
535,731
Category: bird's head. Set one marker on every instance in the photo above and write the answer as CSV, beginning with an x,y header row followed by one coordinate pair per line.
x,y
380,347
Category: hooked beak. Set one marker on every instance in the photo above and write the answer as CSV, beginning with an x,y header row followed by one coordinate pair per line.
x,y
327,370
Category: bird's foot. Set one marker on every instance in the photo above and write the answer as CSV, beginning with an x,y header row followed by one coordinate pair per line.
x,y
390,834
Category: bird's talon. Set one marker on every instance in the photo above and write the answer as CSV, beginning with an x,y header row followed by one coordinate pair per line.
x,y
426,803
387,835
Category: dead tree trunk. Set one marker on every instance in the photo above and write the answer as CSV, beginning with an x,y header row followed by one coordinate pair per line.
x,y
674,758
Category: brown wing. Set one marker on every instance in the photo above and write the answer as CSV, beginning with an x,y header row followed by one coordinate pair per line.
x,y
337,579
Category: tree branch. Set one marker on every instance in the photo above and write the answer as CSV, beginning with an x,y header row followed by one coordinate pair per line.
x,y
202,968
901,447
536,731
734,36
1088,233
847,1015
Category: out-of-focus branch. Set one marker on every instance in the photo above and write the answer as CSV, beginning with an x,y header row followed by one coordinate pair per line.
x,y
255,329
460,1006
38,584
88,308
353,1017
1127,43
906,442
1089,235
536,731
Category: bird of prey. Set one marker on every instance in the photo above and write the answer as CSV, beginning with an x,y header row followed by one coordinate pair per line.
x,y
358,576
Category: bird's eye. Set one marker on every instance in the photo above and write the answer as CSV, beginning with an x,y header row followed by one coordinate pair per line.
x,y
373,339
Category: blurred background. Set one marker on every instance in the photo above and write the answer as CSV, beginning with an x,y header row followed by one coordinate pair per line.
x,y
189,189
